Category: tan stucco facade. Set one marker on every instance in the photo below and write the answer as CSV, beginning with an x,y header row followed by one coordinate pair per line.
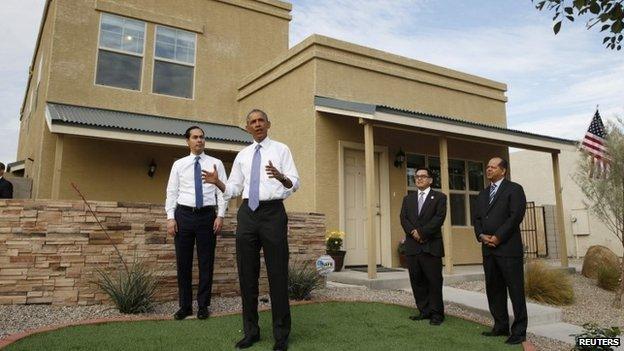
x,y
243,62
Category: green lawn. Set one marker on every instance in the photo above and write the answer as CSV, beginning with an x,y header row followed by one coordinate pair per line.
x,y
323,326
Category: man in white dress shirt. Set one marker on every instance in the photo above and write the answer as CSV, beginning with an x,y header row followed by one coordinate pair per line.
x,y
262,223
195,213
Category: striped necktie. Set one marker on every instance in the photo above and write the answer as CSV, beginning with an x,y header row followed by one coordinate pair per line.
x,y
254,182
492,192
421,201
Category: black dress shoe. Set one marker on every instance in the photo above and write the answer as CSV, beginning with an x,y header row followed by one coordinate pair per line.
x,y
281,345
420,317
247,342
202,313
436,320
515,339
495,333
182,313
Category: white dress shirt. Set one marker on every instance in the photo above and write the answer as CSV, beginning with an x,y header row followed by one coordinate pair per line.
x,y
498,183
270,188
181,185
426,191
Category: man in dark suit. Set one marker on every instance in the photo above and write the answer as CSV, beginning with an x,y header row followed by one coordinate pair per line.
x,y
498,213
422,216
6,188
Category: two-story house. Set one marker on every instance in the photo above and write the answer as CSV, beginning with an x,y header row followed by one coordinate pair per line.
x,y
114,84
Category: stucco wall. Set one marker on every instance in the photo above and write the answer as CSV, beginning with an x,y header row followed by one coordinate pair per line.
x,y
533,170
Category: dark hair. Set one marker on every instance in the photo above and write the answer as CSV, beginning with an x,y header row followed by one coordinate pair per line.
x,y
187,134
2,167
503,164
256,110
429,174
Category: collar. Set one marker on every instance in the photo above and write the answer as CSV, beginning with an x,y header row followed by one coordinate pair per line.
x,y
498,183
201,156
426,191
264,143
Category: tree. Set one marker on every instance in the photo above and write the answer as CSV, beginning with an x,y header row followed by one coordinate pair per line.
x,y
608,13
605,195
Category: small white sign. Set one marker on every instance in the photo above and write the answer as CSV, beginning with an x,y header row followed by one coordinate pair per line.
x,y
325,265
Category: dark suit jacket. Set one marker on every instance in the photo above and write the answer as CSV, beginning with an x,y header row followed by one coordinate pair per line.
x,y
428,223
502,218
6,189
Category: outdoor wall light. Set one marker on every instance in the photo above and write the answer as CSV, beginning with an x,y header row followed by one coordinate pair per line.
x,y
152,169
399,158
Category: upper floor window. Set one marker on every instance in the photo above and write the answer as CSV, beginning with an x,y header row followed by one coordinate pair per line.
x,y
120,53
174,62
466,180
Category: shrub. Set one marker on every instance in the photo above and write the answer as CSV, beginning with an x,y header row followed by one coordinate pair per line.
x,y
593,331
333,240
608,277
547,285
131,290
302,280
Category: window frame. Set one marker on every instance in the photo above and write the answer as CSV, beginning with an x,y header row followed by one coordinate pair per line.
x,y
121,52
466,192
193,65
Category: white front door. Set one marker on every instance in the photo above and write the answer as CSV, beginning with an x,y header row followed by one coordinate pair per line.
x,y
356,242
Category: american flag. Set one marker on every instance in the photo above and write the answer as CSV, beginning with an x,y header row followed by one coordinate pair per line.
x,y
594,144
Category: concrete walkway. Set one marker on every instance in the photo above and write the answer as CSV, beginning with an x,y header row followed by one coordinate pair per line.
x,y
543,320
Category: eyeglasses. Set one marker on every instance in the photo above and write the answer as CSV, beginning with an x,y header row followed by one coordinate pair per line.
x,y
421,176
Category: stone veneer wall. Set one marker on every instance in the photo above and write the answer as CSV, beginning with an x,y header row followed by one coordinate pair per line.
x,y
50,249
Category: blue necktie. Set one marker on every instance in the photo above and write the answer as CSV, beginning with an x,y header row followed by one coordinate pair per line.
x,y
199,193
254,182
492,192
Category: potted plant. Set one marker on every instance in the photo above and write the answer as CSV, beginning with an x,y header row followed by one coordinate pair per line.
x,y
402,257
333,243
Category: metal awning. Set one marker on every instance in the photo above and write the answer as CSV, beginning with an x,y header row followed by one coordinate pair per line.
x,y
449,126
134,127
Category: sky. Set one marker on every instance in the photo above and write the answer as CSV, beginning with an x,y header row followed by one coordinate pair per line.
x,y
554,82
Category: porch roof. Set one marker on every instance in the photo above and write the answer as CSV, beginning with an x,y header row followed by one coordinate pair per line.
x,y
443,125
127,126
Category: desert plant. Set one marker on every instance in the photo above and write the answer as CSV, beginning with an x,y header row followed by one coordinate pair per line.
x,y
594,331
131,288
608,277
302,280
333,240
131,291
547,285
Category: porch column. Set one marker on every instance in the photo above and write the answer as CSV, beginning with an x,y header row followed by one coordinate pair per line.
x,y
446,228
369,156
563,247
58,161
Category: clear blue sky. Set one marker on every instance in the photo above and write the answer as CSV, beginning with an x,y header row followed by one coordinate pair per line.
x,y
554,82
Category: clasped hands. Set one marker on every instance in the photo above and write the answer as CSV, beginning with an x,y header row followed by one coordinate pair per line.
x,y
490,240
417,236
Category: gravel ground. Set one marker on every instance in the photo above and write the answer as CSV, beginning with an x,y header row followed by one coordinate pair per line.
x,y
591,303
17,318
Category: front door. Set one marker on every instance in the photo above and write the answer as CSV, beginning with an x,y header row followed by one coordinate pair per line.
x,y
356,242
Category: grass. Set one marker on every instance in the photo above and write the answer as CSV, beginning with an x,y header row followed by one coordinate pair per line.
x,y
545,284
608,278
323,326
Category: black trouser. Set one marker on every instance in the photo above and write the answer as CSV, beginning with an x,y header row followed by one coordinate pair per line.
x,y
195,226
425,272
501,274
264,228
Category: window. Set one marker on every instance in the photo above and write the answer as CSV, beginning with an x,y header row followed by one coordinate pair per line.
x,y
465,182
120,53
174,62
